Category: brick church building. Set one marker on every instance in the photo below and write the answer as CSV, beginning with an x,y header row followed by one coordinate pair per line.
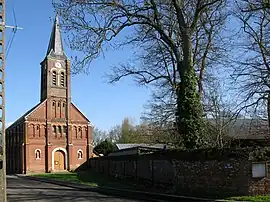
x,y
54,135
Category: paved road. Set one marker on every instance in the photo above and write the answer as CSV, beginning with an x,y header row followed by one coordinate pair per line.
x,y
27,190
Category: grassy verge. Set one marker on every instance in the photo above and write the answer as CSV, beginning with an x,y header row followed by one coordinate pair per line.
x,y
92,179
67,176
251,198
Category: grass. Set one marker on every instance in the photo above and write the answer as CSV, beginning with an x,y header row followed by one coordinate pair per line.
x,y
68,176
92,179
251,198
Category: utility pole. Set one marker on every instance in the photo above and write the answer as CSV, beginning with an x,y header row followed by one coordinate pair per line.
x,y
3,189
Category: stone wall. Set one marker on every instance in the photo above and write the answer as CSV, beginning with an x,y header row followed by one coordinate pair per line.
x,y
197,173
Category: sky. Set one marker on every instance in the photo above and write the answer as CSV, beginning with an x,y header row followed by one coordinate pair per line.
x,y
105,105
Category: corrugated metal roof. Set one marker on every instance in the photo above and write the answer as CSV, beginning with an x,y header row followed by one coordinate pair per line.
x,y
127,146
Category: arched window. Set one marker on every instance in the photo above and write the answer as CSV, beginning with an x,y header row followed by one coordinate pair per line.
x,y
44,131
37,131
80,132
34,130
62,79
54,80
31,129
76,132
80,154
38,153
64,129
54,131
85,131
60,130
54,109
63,110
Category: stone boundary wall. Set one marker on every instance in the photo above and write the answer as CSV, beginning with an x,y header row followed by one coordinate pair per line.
x,y
198,173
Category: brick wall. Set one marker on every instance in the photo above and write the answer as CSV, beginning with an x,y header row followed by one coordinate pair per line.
x,y
25,138
189,173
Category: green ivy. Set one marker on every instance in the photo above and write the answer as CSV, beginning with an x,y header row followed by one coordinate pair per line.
x,y
260,154
189,116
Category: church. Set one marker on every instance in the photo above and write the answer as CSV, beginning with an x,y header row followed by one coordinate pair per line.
x,y
54,135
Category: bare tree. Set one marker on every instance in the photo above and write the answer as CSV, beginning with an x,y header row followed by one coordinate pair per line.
x,y
221,112
254,5
151,133
252,70
167,26
209,52
115,134
98,136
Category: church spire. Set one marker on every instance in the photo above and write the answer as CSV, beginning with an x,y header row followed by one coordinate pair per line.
x,y
55,47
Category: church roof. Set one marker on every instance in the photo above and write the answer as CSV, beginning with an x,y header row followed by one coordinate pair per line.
x,y
56,48
29,112
22,118
72,104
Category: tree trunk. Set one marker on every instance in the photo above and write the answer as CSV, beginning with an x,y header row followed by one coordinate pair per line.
x,y
189,114
268,111
220,139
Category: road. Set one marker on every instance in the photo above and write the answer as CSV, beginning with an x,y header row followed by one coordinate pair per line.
x,y
20,189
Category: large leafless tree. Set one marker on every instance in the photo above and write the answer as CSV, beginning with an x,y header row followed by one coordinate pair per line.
x,y
253,63
164,30
209,51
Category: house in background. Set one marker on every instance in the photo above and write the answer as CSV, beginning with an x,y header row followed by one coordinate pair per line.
x,y
242,132
54,135
249,132
138,149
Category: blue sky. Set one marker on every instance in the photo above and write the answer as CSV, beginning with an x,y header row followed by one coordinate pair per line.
x,y
104,104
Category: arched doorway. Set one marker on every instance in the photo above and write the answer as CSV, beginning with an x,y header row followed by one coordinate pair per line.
x,y
59,160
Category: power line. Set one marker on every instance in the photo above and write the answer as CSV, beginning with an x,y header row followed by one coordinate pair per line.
x,y
14,31
10,43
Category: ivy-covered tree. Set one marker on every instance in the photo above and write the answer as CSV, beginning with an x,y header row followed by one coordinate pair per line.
x,y
164,29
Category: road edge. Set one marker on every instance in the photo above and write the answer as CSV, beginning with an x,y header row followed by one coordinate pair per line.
x,y
149,196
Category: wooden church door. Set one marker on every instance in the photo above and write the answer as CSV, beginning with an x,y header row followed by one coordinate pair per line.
x,y
59,160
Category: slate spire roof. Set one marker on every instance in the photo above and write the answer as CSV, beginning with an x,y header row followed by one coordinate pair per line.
x,y
55,47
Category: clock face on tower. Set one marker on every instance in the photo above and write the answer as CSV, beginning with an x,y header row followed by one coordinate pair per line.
x,y
58,65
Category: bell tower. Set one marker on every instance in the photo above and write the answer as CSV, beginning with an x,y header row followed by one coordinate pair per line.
x,y
55,68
